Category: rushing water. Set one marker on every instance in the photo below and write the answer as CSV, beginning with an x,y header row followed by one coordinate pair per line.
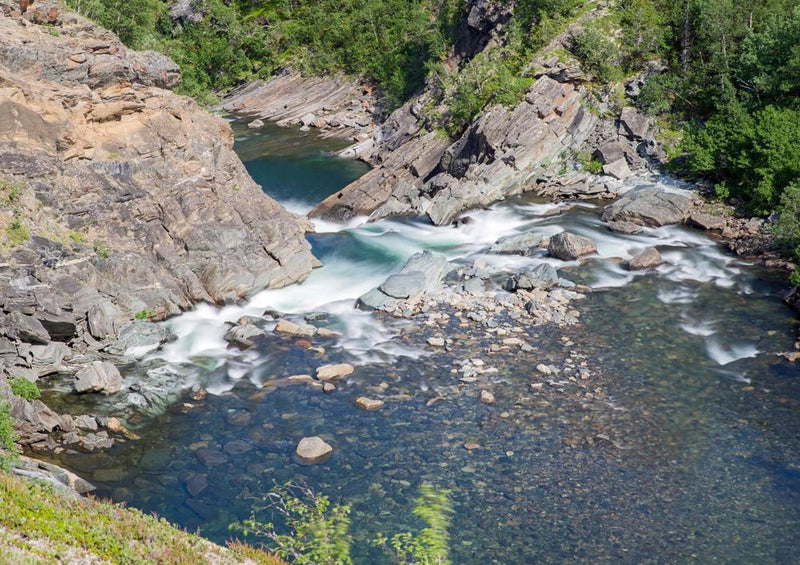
x,y
682,447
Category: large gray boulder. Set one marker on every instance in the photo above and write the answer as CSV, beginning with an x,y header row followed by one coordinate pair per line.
x,y
99,376
569,246
138,338
649,206
422,272
26,328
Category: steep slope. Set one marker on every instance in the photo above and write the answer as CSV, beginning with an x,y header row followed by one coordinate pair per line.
x,y
118,199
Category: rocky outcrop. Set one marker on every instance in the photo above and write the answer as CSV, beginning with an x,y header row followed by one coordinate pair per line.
x,y
423,272
336,106
118,199
501,154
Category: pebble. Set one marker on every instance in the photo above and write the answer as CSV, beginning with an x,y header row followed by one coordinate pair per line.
x,y
312,450
329,372
487,397
436,341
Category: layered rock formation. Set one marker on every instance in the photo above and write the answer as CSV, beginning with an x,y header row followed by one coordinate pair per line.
x,y
336,106
117,196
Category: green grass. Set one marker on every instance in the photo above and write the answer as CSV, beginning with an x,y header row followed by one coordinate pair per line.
x,y
17,233
51,525
24,388
8,437
77,236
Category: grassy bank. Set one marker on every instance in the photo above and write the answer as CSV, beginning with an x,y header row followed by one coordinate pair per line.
x,y
38,525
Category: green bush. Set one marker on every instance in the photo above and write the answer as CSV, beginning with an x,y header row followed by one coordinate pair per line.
x,y
102,251
318,530
599,53
24,388
8,436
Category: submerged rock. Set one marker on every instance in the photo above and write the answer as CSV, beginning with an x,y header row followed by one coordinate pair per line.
x,y
100,376
330,372
368,403
569,246
291,328
313,450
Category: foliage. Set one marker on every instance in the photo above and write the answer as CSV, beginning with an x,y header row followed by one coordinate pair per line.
x,y
787,228
24,388
17,233
102,250
143,315
10,191
431,545
598,52
107,532
76,236
8,436
589,163
318,530
751,156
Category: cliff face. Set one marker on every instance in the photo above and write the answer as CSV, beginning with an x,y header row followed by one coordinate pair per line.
x,y
101,152
117,197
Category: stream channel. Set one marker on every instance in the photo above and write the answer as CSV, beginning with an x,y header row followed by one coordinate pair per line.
x,y
683,446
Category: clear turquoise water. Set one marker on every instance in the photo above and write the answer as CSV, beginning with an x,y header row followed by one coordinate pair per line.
x,y
679,449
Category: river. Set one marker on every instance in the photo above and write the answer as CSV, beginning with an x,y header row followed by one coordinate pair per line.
x,y
682,446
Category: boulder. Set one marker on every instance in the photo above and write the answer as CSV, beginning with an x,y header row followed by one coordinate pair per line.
x,y
99,376
313,450
618,169
243,336
634,124
255,124
519,244
138,338
610,152
706,221
61,327
628,228
404,285
26,328
543,276
330,372
647,259
649,206
569,246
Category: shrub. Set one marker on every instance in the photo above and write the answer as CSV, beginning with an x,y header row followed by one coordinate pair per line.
x,y
8,436
318,530
24,388
431,546
599,53
77,236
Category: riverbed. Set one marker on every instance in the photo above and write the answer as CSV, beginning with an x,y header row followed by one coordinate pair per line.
x,y
682,444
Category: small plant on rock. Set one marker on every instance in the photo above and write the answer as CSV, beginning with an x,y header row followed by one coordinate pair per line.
x,y
143,315
102,251
17,233
24,388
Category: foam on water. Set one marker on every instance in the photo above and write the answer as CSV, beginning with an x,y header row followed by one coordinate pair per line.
x,y
724,355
